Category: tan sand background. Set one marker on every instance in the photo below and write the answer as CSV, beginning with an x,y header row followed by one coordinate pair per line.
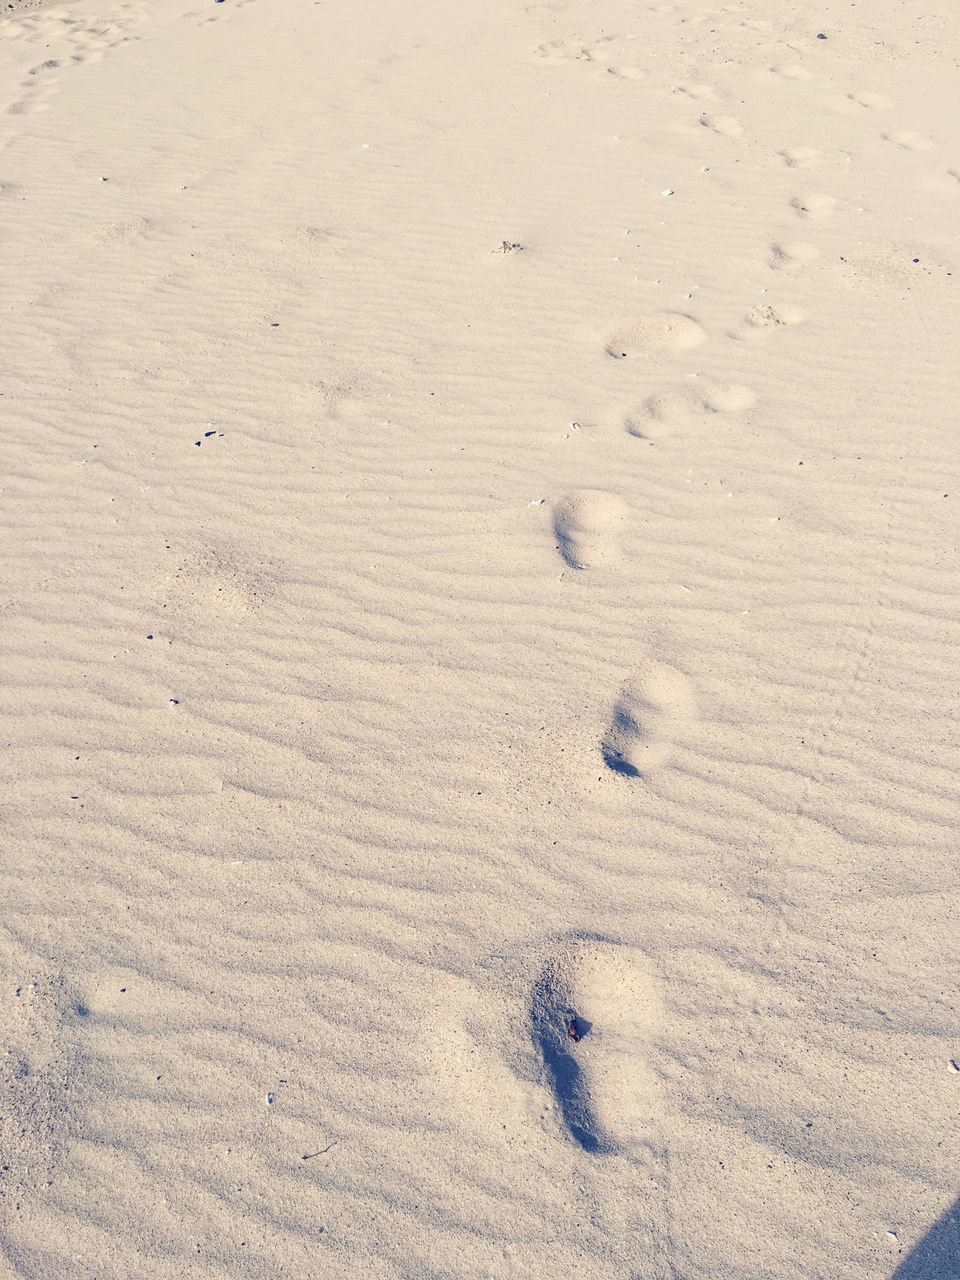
x,y
480,631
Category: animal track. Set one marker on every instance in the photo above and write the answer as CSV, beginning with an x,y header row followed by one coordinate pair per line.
x,y
650,714
595,1011
814,205
672,331
792,257
586,524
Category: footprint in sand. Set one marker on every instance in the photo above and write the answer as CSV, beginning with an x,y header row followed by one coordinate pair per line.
x,y
595,1011
660,415
765,319
792,257
814,205
909,140
43,1078
561,51
872,101
726,126
800,157
672,331
791,71
728,397
696,91
586,523
651,714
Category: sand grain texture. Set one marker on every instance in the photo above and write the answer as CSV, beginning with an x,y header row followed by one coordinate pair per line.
x,y
346,748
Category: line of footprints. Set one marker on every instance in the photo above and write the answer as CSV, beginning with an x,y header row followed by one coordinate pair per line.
x,y
78,41
596,1007
658,703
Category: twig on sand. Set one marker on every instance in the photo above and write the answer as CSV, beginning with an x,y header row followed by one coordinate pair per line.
x,y
313,1154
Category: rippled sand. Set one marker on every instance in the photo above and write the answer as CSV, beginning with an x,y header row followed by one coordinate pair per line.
x,y
479,591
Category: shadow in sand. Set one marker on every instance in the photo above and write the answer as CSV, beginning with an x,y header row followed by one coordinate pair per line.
x,y
570,1089
937,1256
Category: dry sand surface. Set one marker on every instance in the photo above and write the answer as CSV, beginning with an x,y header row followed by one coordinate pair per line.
x,y
481,640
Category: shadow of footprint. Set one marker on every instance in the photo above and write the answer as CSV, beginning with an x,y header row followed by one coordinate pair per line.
x,y
595,1007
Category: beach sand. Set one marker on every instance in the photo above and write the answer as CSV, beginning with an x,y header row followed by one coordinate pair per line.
x,y
480,630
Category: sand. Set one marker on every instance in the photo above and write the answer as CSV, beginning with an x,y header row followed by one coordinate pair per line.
x,y
480,630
